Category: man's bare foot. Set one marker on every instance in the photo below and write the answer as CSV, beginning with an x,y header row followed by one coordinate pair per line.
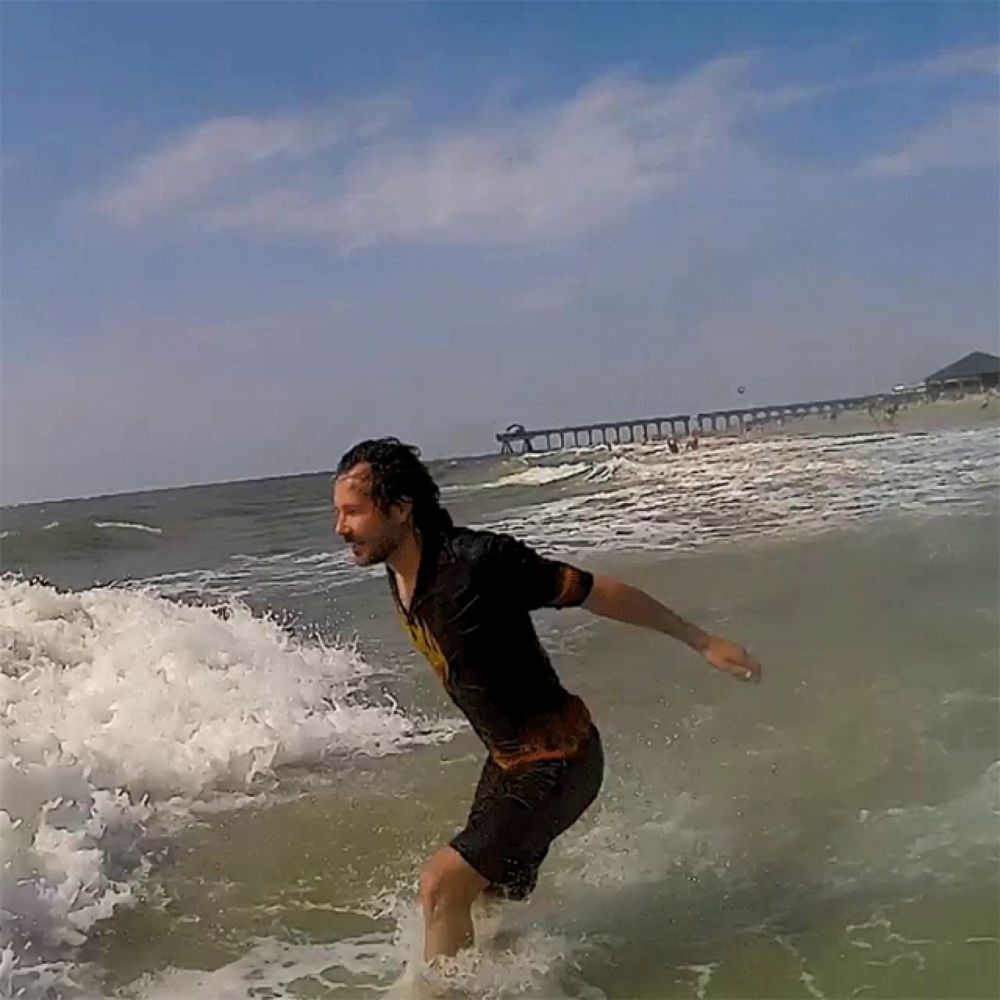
x,y
423,983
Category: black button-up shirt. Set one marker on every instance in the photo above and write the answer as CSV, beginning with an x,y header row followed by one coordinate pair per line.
x,y
470,615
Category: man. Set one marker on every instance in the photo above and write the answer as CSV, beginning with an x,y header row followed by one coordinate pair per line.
x,y
465,598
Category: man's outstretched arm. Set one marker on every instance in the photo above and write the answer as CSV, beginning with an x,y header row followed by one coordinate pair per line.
x,y
614,599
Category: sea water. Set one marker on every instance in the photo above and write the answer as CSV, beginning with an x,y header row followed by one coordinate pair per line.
x,y
222,766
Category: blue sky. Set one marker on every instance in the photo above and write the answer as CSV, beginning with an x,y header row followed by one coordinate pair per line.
x,y
238,237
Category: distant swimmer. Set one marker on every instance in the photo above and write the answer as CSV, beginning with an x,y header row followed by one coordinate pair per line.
x,y
692,443
465,599
673,445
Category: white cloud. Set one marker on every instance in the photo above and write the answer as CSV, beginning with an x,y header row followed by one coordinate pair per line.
x,y
549,172
211,157
553,172
966,136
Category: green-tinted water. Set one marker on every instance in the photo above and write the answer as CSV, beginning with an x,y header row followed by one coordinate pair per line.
x,y
832,832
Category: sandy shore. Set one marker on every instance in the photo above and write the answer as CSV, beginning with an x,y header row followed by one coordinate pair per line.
x,y
943,414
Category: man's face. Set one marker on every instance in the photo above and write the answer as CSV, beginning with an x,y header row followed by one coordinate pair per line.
x,y
372,534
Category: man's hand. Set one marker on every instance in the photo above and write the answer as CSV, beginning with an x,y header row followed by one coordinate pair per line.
x,y
733,659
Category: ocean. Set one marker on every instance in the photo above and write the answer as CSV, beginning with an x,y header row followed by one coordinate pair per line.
x,y
222,765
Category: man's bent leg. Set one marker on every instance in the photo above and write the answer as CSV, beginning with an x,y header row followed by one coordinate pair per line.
x,y
448,886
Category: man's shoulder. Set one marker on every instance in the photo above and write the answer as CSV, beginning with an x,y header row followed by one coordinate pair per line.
x,y
471,544
497,549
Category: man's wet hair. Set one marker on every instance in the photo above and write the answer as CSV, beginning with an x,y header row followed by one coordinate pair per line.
x,y
398,475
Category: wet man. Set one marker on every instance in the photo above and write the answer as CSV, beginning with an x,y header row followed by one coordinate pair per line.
x,y
465,598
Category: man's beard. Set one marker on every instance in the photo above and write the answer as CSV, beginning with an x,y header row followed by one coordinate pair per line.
x,y
373,552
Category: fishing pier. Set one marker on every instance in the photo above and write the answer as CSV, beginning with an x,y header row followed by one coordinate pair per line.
x,y
517,439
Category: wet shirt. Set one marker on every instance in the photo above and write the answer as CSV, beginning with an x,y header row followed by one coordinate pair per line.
x,y
470,615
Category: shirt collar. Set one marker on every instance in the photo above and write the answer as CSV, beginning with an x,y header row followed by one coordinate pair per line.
x,y
433,547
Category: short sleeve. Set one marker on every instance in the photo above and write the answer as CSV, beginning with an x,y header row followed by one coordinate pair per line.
x,y
531,580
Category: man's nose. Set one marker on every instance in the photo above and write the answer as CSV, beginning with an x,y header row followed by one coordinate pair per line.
x,y
338,525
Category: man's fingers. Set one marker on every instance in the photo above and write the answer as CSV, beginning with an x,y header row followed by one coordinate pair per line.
x,y
734,660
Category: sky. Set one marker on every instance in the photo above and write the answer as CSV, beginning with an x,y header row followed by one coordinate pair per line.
x,y
239,237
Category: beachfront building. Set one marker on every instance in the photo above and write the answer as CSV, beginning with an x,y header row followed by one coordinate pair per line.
x,y
976,372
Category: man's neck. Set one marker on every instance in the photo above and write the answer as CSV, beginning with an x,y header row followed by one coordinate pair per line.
x,y
405,562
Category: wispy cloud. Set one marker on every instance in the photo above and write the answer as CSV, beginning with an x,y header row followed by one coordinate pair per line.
x,y
950,64
966,136
208,160
553,171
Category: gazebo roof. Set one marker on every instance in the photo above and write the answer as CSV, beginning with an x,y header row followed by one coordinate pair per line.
x,y
973,365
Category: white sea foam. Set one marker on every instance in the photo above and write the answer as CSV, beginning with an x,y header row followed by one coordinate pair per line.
x,y
118,708
539,475
926,840
644,497
514,957
129,526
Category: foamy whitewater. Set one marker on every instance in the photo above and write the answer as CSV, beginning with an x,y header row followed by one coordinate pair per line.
x,y
221,766
123,710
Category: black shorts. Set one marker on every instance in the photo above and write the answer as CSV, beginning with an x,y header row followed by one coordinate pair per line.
x,y
516,815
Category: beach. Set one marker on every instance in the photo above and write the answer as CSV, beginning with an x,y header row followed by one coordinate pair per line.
x,y
223,765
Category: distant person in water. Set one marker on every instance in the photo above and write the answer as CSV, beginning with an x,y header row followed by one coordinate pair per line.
x,y
692,443
673,445
465,598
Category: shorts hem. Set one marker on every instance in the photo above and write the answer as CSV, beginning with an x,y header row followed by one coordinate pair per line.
x,y
479,864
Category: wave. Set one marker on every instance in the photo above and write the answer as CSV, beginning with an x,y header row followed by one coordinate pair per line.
x,y
539,475
289,574
123,710
78,538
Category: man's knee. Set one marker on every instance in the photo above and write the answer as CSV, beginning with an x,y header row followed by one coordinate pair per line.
x,y
431,886
447,881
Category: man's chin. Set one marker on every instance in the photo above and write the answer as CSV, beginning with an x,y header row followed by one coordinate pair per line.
x,y
366,558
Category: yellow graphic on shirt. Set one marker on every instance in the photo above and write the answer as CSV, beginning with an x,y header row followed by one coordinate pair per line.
x,y
421,637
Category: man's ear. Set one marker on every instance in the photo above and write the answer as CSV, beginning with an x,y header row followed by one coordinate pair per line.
x,y
402,511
